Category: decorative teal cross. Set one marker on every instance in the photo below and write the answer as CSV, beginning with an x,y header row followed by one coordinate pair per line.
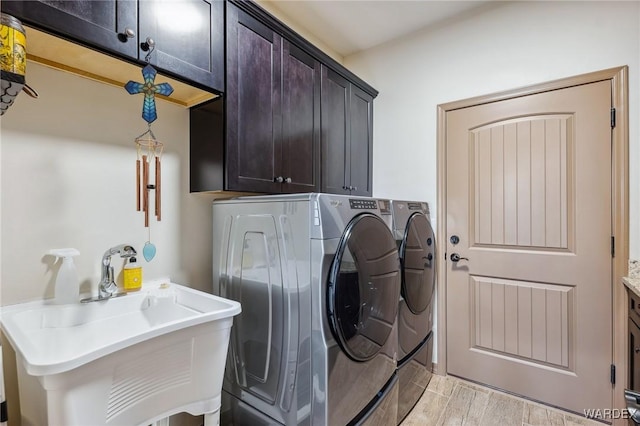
x,y
149,88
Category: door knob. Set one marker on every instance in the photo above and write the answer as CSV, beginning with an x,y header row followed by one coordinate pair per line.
x,y
278,179
455,257
288,180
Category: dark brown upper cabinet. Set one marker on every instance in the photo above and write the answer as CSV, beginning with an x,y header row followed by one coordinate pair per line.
x,y
188,35
189,39
272,110
265,134
110,25
346,136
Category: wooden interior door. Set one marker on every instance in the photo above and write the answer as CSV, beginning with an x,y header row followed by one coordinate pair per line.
x,y
529,196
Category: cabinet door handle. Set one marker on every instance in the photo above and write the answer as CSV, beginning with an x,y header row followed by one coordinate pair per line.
x,y
636,349
148,44
353,188
287,180
278,179
346,188
126,35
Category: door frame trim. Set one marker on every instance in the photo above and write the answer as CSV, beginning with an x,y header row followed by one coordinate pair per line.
x,y
619,77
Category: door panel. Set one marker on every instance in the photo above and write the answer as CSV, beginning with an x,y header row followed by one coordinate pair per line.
x,y
361,142
523,319
253,104
335,133
98,22
189,38
300,121
520,179
530,311
634,356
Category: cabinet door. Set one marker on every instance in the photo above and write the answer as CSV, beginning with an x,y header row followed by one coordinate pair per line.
x,y
254,116
95,23
189,39
334,133
361,141
300,121
634,356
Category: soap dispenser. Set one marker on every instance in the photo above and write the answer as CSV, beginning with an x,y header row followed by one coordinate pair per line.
x,y
67,285
132,275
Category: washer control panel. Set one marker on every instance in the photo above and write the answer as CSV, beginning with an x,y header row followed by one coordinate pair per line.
x,y
363,204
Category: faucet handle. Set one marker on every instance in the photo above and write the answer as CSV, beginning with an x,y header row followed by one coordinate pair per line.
x,y
127,251
124,250
107,289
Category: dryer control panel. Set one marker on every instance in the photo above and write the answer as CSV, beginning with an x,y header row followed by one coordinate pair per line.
x,y
417,206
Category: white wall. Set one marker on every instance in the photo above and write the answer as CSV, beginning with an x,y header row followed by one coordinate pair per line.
x,y
68,180
271,6
67,167
494,49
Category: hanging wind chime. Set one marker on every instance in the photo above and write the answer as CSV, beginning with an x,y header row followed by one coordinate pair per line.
x,y
149,149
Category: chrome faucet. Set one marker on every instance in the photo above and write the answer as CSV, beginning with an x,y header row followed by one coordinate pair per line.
x,y
107,287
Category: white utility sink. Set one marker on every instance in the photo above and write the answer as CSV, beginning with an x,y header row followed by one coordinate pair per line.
x,y
126,360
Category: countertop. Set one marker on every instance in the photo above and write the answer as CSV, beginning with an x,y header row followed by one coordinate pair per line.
x,y
633,284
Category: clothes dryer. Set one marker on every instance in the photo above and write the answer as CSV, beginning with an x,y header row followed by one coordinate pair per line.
x,y
416,246
318,277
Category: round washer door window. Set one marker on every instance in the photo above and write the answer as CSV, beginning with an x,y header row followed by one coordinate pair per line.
x,y
364,287
418,257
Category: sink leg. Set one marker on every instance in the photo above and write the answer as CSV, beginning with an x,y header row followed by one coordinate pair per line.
x,y
212,419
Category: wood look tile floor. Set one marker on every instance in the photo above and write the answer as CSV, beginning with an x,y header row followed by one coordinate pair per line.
x,y
452,401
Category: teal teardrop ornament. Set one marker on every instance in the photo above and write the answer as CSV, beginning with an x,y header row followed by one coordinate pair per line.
x,y
149,251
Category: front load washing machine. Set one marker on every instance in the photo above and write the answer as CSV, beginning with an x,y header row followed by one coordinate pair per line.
x,y
416,246
318,277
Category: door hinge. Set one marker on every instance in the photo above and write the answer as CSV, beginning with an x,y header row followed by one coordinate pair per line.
x,y
613,246
613,374
613,117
